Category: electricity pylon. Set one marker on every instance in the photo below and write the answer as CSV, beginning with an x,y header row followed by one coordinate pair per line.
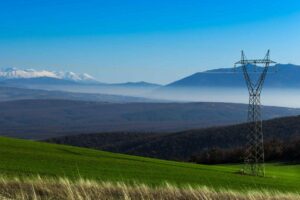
x,y
254,154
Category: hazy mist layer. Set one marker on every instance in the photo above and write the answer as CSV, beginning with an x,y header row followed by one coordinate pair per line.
x,y
269,96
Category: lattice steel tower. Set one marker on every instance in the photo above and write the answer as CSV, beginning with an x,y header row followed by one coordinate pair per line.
x,y
254,154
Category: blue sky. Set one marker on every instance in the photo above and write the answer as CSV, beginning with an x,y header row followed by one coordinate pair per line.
x,y
155,41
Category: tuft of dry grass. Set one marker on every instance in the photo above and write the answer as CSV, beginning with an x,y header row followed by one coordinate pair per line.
x,y
59,189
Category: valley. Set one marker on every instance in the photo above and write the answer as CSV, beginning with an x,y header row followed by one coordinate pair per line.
x,y
41,119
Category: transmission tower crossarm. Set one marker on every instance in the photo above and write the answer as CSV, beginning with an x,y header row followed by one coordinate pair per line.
x,y
254,61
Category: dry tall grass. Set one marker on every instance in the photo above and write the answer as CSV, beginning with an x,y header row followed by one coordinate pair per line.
x,y
84,189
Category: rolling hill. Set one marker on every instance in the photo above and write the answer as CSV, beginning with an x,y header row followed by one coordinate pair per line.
x,y
21,158
42,119
15,93
141,84
186,144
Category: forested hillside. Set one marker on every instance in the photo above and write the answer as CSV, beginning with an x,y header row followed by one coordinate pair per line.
x,y
282,142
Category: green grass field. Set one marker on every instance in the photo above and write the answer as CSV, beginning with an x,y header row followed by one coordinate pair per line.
x,y
21,158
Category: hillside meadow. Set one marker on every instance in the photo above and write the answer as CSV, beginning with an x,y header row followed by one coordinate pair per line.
x,y
29,159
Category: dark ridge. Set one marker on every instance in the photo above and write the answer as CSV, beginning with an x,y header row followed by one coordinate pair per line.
x,y
190,145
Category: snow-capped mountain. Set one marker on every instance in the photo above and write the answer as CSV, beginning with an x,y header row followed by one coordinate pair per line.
x,y
15,73
71,76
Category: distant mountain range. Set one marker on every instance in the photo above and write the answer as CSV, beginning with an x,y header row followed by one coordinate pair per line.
x,y
218,85
15,76
279,76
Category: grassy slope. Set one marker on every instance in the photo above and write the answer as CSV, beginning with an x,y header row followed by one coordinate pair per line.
x,y
27,158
